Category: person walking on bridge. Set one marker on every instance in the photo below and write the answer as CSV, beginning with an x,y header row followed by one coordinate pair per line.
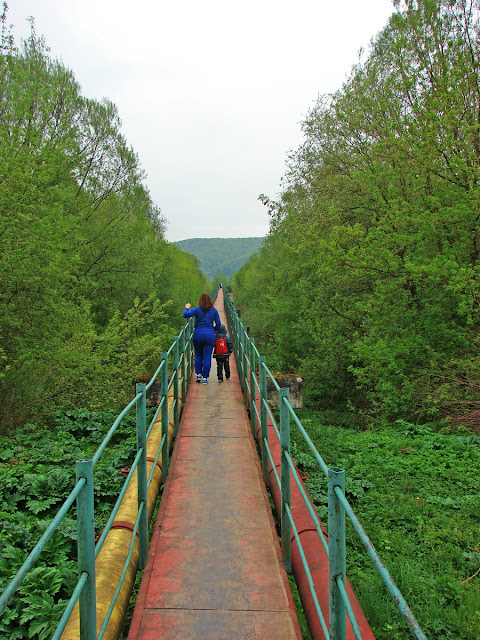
x,y
206,316
222,351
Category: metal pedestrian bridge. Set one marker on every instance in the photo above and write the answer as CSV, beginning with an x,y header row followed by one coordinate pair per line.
x,y
216,566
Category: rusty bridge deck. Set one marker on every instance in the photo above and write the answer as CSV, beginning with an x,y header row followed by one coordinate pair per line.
x,y
214,569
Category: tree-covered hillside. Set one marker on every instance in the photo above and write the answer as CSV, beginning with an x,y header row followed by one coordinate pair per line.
x,y
221,256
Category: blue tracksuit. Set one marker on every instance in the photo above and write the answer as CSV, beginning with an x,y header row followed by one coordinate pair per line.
x,y
203,337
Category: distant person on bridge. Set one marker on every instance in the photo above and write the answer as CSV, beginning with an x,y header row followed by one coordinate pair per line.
x,y
204,335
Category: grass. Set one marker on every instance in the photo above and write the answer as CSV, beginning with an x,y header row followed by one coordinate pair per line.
x,y
415,490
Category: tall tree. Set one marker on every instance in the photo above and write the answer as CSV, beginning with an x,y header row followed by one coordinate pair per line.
x,y
380,212
89,294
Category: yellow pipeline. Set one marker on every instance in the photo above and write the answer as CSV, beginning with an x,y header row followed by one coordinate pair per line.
x,y
113,554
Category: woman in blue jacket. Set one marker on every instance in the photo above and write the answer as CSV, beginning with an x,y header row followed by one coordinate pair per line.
x,y
204,335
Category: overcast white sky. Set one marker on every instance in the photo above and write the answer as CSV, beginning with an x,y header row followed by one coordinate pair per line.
x,y
211,94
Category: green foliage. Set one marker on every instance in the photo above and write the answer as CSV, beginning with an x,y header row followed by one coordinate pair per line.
x,y
37,473
298,606
415,490
90,291
221,257
225,281
368,284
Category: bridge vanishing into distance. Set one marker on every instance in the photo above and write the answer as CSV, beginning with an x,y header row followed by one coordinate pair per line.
x,y
216,566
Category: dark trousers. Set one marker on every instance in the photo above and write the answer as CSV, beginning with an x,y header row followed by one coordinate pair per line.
x,y
223,363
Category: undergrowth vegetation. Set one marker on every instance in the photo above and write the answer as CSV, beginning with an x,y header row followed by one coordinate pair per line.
x,y
415,490
37,472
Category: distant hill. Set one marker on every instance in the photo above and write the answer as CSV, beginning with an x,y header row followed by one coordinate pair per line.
x,y
221,255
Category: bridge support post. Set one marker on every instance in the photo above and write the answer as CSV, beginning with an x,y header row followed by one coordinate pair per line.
x,y
164,414
336,554
285,479
86,550
142,475
262,374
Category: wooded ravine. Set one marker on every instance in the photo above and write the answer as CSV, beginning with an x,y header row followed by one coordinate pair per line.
x,y
367,286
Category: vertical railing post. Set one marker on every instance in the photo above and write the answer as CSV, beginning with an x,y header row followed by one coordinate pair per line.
x,y
240,345
285,479
245,368
86,550
262,375
336,554
189,358
236,341
164,413
188,351
192,350
176,413
241,363
237,337
183,368
253,387
142,474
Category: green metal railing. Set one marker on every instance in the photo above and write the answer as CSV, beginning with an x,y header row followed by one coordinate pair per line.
x,y
253,374
178,361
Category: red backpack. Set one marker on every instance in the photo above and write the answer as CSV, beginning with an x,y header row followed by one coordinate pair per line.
x,y
221,348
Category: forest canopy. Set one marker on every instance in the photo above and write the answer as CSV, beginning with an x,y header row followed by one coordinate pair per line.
x,y
368,281
90,291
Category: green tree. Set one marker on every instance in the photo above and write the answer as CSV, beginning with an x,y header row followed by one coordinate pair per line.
x,y
90,291
379,220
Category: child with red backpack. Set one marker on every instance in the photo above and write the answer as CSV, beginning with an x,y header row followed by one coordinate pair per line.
x,y
222,351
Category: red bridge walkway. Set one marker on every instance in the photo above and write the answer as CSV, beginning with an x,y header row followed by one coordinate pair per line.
x,y
214,569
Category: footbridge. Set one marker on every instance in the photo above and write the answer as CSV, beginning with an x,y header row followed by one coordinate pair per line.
x,y
216,561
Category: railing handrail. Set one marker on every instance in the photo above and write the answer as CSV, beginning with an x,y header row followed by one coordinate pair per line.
x,y
180,375
248,358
